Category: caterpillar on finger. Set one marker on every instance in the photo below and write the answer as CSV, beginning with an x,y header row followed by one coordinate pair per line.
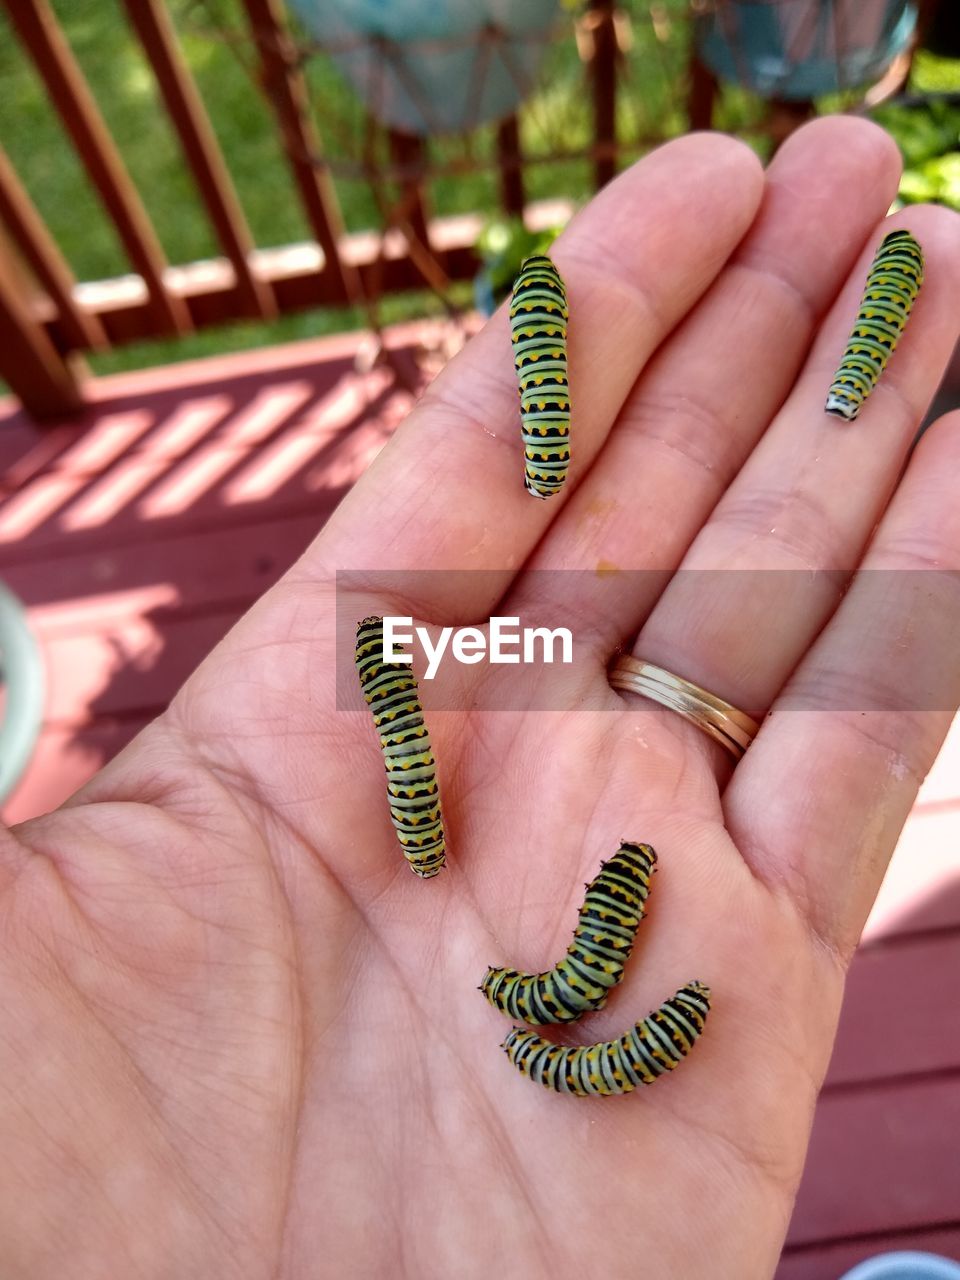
x,y
538,332
893,283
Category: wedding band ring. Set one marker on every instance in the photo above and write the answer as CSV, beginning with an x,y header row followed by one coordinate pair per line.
x,y
733,729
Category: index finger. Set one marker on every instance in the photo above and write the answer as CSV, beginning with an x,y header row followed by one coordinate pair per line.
x,y
447,492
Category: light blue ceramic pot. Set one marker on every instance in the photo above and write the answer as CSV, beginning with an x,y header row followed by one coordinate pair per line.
x,y
905,1266
800,49
424,66
22,673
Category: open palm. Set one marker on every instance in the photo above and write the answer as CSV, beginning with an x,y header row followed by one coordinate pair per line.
x,y
239,1038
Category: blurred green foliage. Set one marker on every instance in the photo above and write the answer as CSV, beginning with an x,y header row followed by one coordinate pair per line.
x,y
933,74
926,127
922,130
502,246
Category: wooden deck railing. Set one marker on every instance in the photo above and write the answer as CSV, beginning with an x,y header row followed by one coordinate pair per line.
x,y
46,323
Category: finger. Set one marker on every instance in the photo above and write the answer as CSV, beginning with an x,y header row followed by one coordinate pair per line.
x,y
447,492
807,499
710,392
862,719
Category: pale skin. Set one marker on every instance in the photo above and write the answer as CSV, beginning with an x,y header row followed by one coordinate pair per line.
x,y
239,1039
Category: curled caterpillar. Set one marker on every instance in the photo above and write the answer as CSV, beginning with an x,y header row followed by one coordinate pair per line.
x,y
893,283
653,1047
538,331
390,689
602,942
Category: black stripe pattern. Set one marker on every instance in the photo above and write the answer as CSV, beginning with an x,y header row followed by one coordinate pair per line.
x,y
893,283
653,1047
538,331
390,690
602,942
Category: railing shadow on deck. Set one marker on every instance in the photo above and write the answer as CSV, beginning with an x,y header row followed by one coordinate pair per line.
x,y
137,533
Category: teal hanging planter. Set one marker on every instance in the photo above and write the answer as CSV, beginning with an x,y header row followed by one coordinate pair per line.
x,y
801,49
434,66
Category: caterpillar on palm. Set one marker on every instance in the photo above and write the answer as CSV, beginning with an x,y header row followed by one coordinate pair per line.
x,y
651,1048
390,690
602,942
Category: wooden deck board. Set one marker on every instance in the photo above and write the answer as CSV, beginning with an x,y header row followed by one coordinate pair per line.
x,y
900,1012
283,452
66,758
139,532
882,1159
131,664
212,566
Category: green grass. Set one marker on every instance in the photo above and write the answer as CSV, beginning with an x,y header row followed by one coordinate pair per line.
x,y
215,44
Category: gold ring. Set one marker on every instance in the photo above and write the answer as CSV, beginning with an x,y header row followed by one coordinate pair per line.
x,y
733,729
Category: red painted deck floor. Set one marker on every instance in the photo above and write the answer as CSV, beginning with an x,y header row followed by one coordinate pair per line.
x,y
138,534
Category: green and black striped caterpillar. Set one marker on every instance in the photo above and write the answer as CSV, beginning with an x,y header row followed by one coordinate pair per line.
x,y
653,1047
538,331
892,286
390,689
602,942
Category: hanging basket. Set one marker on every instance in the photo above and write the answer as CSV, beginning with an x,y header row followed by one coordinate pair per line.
x,y
434,66
801,49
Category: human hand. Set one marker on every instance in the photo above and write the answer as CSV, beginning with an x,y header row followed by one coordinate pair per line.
x,y
239,1038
